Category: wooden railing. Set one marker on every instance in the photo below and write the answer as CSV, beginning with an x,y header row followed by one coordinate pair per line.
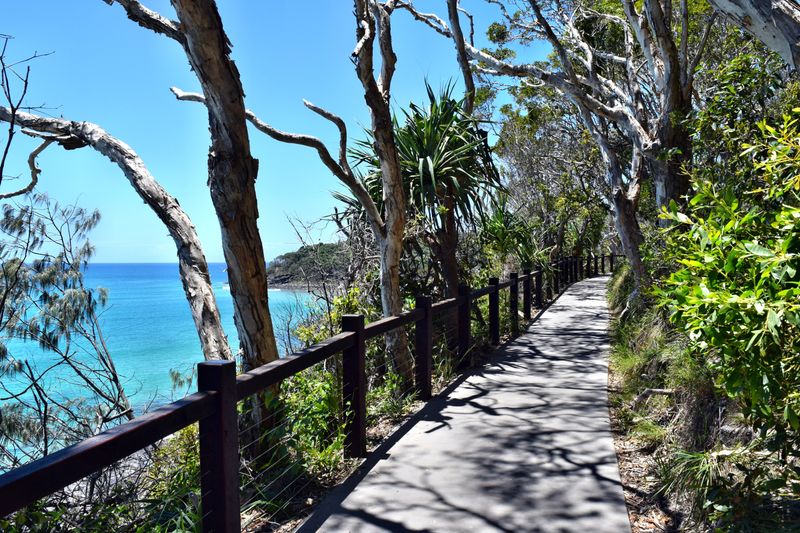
x,y
219,390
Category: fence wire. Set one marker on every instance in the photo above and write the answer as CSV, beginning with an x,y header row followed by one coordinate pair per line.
x,y
291,438
155,489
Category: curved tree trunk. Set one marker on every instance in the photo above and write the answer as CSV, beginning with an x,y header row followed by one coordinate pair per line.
x,y
373,20
231,177
191,259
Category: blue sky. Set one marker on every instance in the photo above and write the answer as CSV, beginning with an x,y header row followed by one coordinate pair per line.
x,y
106,69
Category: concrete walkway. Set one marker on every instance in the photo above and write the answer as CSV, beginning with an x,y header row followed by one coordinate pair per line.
x,y
522,444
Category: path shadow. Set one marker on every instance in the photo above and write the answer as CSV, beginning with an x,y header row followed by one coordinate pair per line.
x,y
524,430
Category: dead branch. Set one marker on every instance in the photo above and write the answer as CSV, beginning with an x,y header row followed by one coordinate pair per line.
x,y
35,171
640,399
192,261
341,170
149,19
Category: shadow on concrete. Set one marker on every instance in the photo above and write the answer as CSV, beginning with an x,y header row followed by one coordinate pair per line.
x,y
521,444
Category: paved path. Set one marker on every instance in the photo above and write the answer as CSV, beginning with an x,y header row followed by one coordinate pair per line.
x,y
522,444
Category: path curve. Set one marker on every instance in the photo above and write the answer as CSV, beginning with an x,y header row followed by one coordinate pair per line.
x,y
522,444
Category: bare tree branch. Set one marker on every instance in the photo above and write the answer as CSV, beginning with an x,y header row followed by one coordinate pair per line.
x,y
149,19
192,261
35,171
461,55
341,171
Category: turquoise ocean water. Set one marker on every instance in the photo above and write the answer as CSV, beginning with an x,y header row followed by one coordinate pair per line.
x,y
149,329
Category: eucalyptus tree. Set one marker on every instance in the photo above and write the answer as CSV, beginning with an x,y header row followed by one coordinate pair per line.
x,y
552,168
630,71
72,135
232,169
373,26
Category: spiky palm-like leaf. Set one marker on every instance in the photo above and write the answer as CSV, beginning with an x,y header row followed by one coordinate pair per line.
x,y
443,155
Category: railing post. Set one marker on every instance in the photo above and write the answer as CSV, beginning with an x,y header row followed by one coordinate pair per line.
x,y
603,263
556,279
589,266
513,303
526,294
494,312
424,348
354,389
611,263
538,289
464,333
596,265
579,267
219,449
573,264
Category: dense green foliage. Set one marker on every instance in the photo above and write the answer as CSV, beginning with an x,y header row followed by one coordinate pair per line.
x,y
724,339
737,297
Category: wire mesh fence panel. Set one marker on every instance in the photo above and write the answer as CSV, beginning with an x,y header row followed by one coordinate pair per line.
x,y
290,457
444,353
390,394
155,489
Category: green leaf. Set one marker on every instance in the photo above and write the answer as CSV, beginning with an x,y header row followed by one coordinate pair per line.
x,y
791,416
773,322
758,250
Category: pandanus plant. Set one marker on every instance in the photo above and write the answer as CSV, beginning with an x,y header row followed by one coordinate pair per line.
x,y
448,174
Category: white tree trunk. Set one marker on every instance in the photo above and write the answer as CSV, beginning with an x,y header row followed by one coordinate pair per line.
x,y
191,259
776,23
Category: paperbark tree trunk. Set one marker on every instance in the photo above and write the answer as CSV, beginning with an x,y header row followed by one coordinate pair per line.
x,y
231,176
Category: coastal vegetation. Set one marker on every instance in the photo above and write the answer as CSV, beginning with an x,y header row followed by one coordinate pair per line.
x,y
662,132
313,263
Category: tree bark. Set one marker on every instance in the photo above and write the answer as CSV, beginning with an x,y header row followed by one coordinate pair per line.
x,y
776,23
191,259
668,166
630,235
231,176
374,20
447,246
462,57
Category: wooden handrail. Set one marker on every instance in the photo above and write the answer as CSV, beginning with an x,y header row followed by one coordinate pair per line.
x,y
264,376
384,325
26,484
478,293
444,305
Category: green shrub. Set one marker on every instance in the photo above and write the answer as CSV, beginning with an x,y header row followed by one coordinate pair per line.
x,y
736,296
